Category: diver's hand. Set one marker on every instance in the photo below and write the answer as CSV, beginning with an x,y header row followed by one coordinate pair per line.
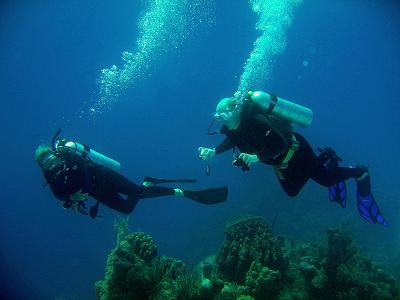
x,y
206,153
249,159
78,196
75,206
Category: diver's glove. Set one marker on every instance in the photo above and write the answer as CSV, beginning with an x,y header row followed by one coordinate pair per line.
x,y
79,196
206,153
76,206
249,159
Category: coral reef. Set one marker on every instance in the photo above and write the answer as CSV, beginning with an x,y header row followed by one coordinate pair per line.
x,y
251,264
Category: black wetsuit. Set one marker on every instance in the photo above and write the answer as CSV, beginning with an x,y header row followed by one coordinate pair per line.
x,y
103,184
270,138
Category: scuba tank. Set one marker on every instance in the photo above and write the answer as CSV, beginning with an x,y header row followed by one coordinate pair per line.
x,y
289,111
84,151
96,157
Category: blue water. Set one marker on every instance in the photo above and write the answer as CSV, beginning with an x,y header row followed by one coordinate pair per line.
x,y
342,60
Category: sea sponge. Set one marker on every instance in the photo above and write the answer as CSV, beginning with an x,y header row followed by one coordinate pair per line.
x,y
248,240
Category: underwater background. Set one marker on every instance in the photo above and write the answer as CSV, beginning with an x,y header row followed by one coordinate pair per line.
x,y
341,59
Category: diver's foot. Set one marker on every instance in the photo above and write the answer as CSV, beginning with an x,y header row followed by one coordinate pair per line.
x,y
179,192
363,174
148,181
363,180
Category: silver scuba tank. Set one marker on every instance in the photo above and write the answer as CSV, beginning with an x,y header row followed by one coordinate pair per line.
x,y
292,112
96,157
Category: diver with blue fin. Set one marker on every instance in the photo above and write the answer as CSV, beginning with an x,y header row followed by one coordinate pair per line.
x,y
260,124
75,172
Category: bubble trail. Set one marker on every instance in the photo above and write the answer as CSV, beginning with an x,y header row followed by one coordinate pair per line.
x,y
163,28
274,18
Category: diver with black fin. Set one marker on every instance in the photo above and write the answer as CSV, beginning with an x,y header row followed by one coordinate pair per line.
x,y
75,172
259,124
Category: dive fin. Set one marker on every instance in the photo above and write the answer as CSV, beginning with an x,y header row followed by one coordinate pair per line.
x,y
369,210
338,193
208,196
154,180
366,204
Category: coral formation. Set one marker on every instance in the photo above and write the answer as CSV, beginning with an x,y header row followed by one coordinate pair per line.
x,y
134,271
251,264
249,240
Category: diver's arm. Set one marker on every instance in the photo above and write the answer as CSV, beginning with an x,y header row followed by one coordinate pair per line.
x,y
208,153
224,146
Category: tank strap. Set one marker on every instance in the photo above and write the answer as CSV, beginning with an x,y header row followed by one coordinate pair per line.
x,y
289,155
85,152
274,100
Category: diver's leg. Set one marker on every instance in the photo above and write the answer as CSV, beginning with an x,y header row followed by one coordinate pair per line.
x,y
126,206
291,180
294,177
118,203
312,166
328,177
155,191
292,189
132,190
122,185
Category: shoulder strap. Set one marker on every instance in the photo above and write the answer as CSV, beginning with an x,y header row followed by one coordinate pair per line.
x,y
281,127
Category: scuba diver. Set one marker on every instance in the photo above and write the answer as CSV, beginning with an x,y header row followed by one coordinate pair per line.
x,y
75,172
260,126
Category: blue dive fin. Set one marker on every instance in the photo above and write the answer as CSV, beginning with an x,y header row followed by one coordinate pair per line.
x,y
338,193
369,210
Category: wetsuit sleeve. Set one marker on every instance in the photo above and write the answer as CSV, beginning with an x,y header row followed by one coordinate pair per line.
x,y
224,146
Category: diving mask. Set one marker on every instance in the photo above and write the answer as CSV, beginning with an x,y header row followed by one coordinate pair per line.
x,y
48,158
50,161
223,116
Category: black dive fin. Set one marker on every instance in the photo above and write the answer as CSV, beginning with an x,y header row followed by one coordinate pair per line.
x,y
209,196
161,180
